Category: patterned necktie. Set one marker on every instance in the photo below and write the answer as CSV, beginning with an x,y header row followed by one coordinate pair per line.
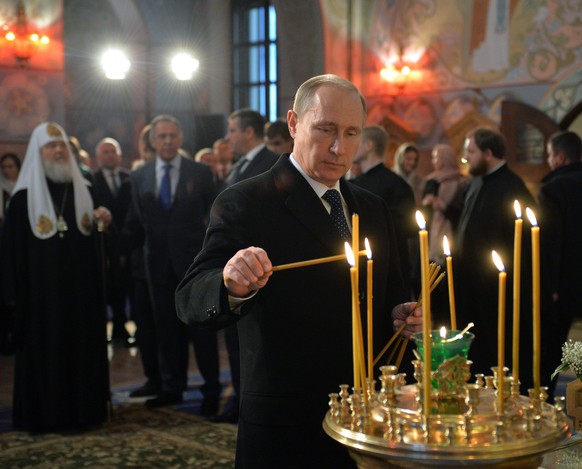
x,y
338,218
166,188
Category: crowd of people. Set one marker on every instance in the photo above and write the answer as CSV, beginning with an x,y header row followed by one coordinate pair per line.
x,y
190,244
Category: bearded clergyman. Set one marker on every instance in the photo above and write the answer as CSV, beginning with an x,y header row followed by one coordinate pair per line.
x,y
51,273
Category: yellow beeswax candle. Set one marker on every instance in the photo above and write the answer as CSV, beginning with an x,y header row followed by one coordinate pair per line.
x,y
355,313
500,331
536,309
369,298
449,260
426,319
516,290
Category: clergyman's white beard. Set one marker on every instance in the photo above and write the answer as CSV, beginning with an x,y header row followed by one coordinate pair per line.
x,y
57,172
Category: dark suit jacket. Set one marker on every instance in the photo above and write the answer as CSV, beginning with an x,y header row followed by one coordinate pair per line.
x,y
262,161
118,205
295,334
560,200
399,197
171,238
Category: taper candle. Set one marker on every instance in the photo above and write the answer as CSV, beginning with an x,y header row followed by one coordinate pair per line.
x,y
426,319
536,310
449,260
355,306
516,290
500,331
369,300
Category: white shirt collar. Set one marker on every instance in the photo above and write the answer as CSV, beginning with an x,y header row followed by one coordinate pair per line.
x,y
175,162
317,186
254,152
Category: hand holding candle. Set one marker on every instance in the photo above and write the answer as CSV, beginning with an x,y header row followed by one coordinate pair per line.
x,y
500,331
449,259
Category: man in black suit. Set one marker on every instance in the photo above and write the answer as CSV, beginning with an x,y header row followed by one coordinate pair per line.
x,y
171,199
112,189
245,135
295,325
388,185
560,199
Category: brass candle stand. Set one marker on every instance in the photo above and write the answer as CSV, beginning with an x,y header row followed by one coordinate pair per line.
x,y
388,427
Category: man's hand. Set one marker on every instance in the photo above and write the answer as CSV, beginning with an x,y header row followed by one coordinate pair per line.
x,y
409,313
102,217
247,271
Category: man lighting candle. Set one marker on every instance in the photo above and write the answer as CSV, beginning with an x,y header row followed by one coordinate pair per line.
x,y
295,325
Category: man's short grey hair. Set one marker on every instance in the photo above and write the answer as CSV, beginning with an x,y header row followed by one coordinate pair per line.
x,y
164,118
111,141
306,92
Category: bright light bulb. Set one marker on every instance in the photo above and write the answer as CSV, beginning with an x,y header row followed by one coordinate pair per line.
x,y
115,64
184,66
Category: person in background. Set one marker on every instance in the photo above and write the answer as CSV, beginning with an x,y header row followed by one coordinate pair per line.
x,y
560,199
245,135
51,273
394,190
277,137
406,161
168,215
441,190
141,305
146,151
487,223
295,326
81,157
223,150
9,170
209,158
405,165
112,189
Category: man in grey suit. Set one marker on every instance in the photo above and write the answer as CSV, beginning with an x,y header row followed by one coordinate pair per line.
x,y
246,136
171,200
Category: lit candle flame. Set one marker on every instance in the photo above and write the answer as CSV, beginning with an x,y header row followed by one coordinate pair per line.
x,y
368,248
531,216
420,220
497,261
446,247
517,209
443,332
350,254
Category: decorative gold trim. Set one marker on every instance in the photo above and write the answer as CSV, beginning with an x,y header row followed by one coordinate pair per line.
x,y
44,225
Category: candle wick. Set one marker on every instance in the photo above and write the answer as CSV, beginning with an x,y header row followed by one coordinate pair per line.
x,y
460,334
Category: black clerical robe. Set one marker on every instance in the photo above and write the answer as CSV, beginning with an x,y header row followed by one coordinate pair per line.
x,y
487,223
61,372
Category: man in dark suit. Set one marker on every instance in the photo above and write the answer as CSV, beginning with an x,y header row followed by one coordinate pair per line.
x,y
395,191
245,135
171,199
295,325
112,189
560,199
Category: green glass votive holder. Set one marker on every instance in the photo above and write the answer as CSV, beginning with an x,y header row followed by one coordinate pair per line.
x,y
444,347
